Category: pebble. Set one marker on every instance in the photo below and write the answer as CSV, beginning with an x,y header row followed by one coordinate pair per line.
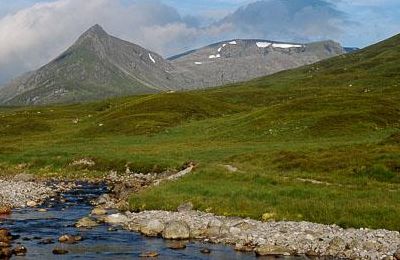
x,y
149,254
59,251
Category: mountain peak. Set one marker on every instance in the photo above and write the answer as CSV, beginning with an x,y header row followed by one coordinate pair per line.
x,y
96,29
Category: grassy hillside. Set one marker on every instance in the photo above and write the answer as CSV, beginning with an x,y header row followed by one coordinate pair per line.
x,y
319,143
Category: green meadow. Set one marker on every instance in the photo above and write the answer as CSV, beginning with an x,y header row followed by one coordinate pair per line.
x,y
319,143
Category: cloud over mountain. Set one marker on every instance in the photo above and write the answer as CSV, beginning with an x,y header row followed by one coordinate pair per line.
x,y
33,36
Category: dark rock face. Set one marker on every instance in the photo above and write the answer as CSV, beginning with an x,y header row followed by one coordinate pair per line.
x,y
99,65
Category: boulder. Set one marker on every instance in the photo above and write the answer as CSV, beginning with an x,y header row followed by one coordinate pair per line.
x,y
20,250
31,204
153,228
68,239
272,250
99,212
176,230
5,253
5,236
5,210
116,219
214,228
86,222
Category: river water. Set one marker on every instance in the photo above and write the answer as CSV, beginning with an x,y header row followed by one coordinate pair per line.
x,y
99,243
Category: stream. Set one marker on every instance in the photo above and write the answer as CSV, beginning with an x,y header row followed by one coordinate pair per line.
x,y
33,226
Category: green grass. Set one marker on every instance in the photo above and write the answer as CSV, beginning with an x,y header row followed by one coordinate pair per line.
x,y
318,143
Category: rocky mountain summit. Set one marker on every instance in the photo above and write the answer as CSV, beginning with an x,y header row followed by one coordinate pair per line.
x,y
240,60
99,65
96,66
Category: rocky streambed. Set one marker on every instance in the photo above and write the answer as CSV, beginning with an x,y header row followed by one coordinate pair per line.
x,y
53,218
265,239
51,228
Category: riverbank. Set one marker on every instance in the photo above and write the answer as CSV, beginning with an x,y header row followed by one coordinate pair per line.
x,y
19,193
268,238
264,238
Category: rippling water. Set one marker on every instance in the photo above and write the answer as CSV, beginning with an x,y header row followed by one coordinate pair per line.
x,y
99,243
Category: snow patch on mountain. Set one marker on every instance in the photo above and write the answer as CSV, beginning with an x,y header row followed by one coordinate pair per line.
x,y
214,56
286,45
151,58
263,44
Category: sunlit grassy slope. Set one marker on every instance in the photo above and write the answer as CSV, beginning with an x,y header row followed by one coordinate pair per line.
x,y
320,143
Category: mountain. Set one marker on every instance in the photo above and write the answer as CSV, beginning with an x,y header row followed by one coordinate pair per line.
x,y
96,66
99,66
241,60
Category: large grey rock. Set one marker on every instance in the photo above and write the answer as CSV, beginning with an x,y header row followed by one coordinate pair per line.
x,y
152,228
86,222
176,230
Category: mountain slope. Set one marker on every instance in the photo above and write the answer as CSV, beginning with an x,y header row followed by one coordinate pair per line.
x,y
96,66
240,60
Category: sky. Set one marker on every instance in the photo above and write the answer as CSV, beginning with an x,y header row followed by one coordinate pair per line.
x,y
33,32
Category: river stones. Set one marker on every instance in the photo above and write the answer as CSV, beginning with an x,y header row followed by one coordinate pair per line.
x,y
153,228
176,245
5,210
69,239
60,251
5,253
31,204
149,254
205,251
20,250
99,212
116,219
176,230
272,250
5,236
214,228
86,222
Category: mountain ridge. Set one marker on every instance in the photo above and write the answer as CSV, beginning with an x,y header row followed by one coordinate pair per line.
x,y
99,65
